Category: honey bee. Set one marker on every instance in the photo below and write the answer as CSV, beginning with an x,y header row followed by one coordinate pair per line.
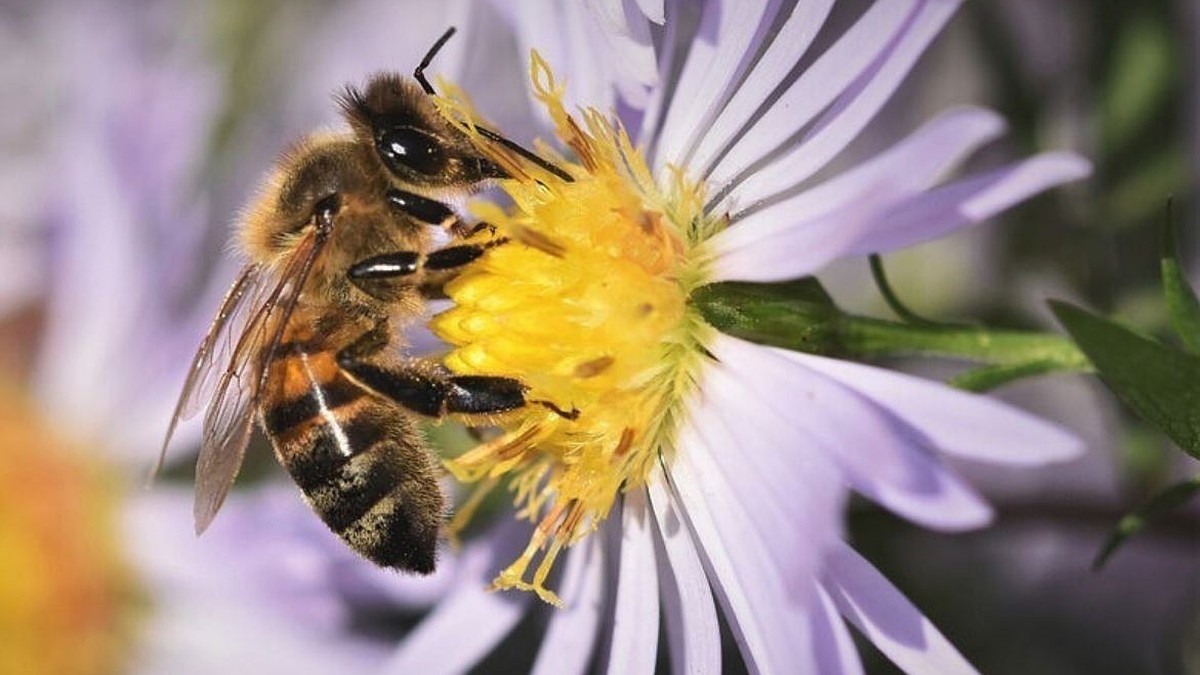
x,y
307,340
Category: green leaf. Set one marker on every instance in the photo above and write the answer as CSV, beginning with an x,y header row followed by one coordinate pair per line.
x,y
1181,301
1159,383
1158,506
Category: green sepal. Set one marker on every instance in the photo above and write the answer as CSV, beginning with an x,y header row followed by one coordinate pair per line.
x,y
797,315
1161,384
1182,305
1157,506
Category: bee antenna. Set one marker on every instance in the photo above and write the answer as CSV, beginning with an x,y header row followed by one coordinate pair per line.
x,y
419,76
419,73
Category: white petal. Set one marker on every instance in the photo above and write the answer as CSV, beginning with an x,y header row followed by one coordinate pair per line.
x,y
766,605
635,617
471,618
915,164
571,635
843,121
719,52
879,455
792,42
689,613
957,422
968,201
888,619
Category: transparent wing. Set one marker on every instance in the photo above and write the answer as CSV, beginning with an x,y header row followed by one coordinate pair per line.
x,y
202,375
230,417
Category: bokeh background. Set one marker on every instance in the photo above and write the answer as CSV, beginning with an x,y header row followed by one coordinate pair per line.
x,y
132,131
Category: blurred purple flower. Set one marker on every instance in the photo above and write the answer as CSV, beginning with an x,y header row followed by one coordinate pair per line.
x,y
112,224
267,589
744,510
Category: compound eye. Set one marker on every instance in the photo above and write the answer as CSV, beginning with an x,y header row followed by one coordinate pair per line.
x,y
406,149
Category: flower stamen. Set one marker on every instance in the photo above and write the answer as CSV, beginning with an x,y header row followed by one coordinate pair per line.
x,y
587,304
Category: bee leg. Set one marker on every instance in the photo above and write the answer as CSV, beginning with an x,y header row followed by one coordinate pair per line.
x,y
432,212
385,276
442,265
429,390
368,344
432,394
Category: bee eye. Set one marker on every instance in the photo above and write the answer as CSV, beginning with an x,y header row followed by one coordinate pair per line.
x,y
325,210
408,148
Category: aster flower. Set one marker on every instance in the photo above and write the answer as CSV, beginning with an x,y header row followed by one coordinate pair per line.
x,y
703,471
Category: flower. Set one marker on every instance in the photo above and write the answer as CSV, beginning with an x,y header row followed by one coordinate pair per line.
x,y
676,465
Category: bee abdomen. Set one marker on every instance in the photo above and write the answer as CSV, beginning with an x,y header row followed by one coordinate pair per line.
x,y
365,474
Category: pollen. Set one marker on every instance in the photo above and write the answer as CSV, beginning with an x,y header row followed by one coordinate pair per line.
x,y
587,304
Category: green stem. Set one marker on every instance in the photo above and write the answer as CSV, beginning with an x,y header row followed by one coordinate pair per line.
x,y
869,338
799,315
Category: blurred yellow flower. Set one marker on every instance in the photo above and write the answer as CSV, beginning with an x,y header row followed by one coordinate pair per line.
x,y
61,585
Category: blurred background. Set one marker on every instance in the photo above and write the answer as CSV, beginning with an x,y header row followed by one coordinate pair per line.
x,y
133,131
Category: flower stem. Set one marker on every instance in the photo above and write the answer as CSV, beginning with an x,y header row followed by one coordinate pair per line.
x,y
799,315
867,337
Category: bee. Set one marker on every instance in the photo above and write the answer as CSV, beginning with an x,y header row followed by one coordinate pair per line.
x,y
307,341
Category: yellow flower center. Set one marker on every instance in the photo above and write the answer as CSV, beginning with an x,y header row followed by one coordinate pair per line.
x,y
60,584
587,303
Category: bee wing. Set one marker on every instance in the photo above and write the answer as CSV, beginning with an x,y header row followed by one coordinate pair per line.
x,y
214,348
230,417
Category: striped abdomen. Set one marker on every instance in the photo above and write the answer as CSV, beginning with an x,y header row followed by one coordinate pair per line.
x,y
358,458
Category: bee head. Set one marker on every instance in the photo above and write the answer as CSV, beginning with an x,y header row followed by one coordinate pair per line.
x,y
412,141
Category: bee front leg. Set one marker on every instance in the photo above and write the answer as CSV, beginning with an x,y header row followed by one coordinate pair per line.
x,y
432,212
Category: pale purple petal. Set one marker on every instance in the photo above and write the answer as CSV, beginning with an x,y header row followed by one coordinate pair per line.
x,y
792,42
471,617
866,43
714,62
967,201
635,617
885,218
915,164
843,121
572,631
880,456
888,619
243,579
688,609
956,422
765,453
836,652
653,10
799,251
595,60
766,603
631,54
